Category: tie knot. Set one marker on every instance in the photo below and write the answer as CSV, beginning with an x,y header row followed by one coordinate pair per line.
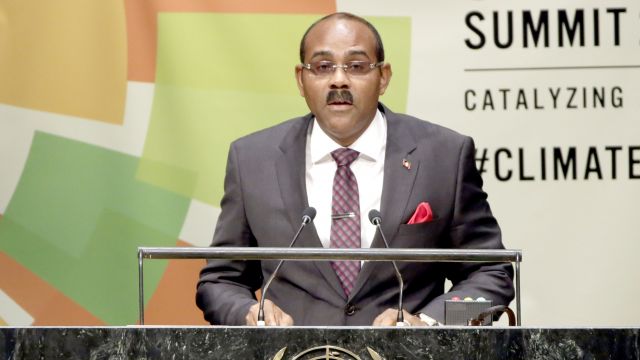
x,y
344,156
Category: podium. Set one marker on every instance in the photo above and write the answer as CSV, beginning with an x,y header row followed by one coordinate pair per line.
x,y
290,343
324,254
235,343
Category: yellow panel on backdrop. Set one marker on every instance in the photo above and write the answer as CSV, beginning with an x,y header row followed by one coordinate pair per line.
x,y
65,57
222,76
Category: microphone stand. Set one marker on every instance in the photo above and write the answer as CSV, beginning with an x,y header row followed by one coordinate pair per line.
x,y
375,218
307,217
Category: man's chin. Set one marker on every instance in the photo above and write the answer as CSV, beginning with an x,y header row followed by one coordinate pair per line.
x,y
338,120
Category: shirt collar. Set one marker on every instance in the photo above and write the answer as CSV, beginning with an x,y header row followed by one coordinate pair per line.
x,y
371,144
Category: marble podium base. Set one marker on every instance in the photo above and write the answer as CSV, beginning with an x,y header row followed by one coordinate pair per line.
x,y
267,343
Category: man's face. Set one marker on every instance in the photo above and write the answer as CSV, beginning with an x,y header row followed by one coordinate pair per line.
x,y
343,104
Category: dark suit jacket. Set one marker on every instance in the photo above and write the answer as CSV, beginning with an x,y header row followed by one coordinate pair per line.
x,y
264,198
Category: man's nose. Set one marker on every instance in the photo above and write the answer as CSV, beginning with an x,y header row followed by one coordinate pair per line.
x,y
340,79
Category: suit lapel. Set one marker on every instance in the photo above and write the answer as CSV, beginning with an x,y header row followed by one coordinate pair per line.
x,y
290,168
291,174
398,179
396,187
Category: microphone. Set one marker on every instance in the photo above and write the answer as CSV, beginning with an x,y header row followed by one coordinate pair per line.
x,y
376,219
307,217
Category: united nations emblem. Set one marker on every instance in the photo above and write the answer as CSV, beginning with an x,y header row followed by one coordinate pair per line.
x,y
327,352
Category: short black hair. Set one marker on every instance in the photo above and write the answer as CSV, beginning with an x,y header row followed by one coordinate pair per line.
x,y
348,16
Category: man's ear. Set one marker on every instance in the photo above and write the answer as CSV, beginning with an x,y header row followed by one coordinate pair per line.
x,y
299,71
385,77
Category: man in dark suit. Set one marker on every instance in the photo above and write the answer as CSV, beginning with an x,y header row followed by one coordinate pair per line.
x,y
349,155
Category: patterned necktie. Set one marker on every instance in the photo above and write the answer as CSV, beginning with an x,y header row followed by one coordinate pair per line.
x,y
345,216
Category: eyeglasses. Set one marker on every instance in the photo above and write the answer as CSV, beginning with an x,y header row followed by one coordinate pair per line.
x,y
323,68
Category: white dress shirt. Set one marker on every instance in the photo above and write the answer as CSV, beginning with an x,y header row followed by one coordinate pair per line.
x,y
368,169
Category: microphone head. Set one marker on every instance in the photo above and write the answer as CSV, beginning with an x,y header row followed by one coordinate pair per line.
x,y
375,217
308,214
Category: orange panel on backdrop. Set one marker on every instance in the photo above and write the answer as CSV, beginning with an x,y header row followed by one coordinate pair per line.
x,y
66,57
142,23
174,301
46,304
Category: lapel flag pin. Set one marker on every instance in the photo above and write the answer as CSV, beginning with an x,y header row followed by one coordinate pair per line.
x,y
406,163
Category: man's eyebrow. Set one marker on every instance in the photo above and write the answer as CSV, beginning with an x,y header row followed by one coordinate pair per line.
x,y
358,52
321,53
349,53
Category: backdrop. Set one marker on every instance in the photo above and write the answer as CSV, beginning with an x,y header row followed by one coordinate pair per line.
x,y
116,116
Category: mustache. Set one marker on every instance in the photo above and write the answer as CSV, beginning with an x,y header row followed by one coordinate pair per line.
x,y
339,96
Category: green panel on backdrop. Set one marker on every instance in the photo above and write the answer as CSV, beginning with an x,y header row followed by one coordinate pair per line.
x,y
77,218
222,76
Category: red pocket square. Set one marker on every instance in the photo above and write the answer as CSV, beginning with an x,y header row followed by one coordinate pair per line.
x,y
423,214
